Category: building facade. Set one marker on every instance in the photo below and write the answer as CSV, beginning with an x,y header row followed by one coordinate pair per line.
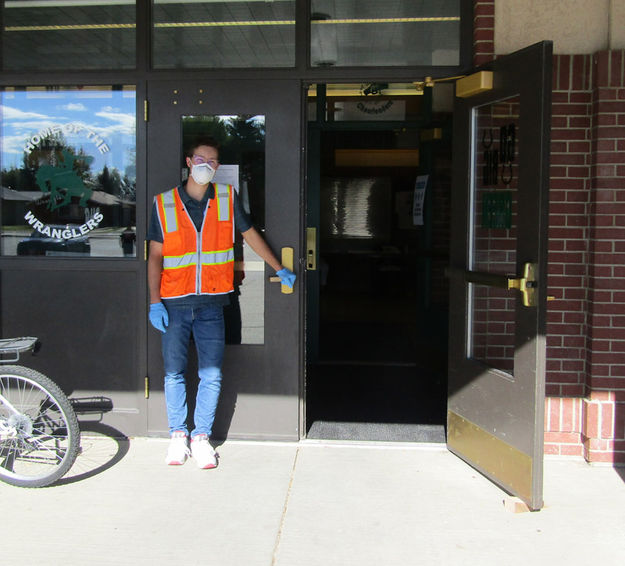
x,y
98,102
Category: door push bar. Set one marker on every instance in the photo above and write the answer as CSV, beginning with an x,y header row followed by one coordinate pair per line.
x,y
527,284
287,261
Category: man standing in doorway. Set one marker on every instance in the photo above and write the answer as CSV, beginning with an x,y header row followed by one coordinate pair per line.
x,y
190,276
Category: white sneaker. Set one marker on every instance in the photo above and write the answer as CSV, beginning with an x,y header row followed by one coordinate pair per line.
x,y
178,450
203,453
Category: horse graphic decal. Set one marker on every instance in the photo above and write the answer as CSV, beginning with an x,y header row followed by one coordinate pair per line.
x,y
62,182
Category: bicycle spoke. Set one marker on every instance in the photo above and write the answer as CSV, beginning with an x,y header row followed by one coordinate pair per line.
x,y
40,447
43,435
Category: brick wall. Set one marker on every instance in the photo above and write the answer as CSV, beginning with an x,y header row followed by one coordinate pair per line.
x,y
586,324
483,31
603,431
569,253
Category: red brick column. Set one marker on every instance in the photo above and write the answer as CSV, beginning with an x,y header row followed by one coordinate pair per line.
x,y
603,416
585,408
568,270
483,31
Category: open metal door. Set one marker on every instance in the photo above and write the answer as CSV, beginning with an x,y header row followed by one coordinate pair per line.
x,y
498,271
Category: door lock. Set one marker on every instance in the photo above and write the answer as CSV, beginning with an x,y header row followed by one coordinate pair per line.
x,y
311,249
526,284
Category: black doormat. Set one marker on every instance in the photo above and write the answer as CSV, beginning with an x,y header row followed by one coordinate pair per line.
x,y
376,432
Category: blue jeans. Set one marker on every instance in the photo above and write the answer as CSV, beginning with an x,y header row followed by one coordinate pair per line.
x,y
207,325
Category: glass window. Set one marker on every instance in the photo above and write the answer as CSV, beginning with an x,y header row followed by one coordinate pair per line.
x,y
384,34
222,34
242,165
48,35
494,232
68,171
367,102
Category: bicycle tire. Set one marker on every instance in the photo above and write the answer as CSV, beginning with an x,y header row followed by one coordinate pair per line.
x,y
45,438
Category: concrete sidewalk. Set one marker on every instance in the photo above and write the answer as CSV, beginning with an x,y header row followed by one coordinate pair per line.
x,y
303,504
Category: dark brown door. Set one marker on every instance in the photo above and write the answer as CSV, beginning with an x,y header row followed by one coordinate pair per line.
x,y
258,126
499,272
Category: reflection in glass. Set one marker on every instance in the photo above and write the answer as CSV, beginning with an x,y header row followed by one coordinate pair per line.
x,y
242,164
494,231
214,34
72,34
406,33
68,171
356,209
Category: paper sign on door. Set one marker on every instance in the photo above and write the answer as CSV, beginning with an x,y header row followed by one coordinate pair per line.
x,y
419,198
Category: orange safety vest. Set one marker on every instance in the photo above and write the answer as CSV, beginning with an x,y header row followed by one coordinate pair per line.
x,y
197,263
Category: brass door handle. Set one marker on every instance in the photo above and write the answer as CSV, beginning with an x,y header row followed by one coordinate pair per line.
x,y
287,261
526,284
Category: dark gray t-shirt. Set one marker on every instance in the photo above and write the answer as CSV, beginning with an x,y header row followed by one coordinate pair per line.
x,y
196,212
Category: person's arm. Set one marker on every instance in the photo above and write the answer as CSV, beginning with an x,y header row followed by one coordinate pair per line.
x,y
258,244
155,270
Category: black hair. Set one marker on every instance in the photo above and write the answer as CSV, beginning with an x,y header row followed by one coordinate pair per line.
x,y
201,140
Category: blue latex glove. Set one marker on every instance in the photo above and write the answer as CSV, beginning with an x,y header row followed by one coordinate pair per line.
x,y
287,277
159,317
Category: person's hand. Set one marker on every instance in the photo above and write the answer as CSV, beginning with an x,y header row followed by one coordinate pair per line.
x,y
287,277
159,317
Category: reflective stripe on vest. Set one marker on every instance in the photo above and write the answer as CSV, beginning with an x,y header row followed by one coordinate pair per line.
x,y
207,258
169,207
175,262
223,202
215,258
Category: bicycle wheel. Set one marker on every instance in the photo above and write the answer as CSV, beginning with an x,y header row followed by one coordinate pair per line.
x,y
39,434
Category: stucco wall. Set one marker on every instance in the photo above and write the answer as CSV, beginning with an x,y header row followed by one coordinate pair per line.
x,y
617,24
575,26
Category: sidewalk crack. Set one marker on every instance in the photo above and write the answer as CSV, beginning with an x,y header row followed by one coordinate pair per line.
x,y
284,510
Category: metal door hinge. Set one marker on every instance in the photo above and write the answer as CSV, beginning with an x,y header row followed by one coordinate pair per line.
x,y
145,110
147,387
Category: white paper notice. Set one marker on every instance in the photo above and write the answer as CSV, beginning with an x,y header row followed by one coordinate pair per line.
x,y
228,175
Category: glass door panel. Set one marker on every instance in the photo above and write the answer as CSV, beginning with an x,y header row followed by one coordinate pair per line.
x,y
242,165
493,238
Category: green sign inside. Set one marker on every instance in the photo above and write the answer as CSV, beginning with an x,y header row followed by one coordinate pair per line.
x,y
497,209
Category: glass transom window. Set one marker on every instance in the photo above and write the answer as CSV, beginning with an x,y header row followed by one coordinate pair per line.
x,y
223,34
384,34
50,35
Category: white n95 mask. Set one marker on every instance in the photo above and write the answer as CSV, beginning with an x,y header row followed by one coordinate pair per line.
x,y
202,173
